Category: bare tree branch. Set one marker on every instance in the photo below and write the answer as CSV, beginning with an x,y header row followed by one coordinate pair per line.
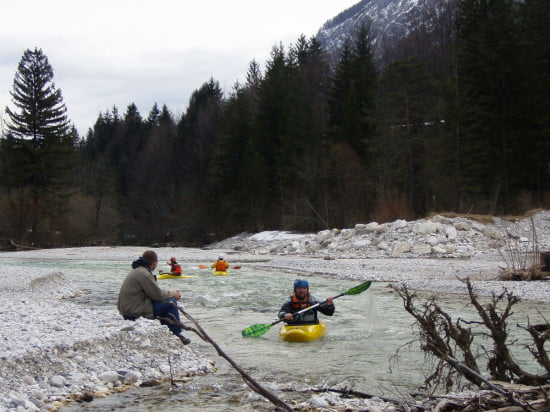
x,y
251,382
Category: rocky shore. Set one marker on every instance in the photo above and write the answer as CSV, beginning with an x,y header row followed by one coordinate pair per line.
x,y
52,350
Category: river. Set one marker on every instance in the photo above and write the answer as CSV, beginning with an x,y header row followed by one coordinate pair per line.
x,y
363,336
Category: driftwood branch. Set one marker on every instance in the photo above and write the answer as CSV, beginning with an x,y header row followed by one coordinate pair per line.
x,y
442,337
251,382
508,395
344,393
19,247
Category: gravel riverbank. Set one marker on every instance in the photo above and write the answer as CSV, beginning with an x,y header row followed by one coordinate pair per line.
x,y
52,350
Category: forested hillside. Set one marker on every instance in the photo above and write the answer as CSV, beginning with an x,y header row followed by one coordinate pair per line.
x,y
458,121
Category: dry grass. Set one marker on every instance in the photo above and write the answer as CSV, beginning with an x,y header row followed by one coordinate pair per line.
x,y
485,219
392,205
532,273
488,219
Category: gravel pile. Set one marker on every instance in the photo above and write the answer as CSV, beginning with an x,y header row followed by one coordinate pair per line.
x,y
52,350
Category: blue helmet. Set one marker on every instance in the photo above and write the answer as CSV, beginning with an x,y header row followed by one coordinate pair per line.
x,y
301,283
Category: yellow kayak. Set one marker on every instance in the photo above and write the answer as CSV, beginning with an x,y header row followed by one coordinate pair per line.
x,y
220,272
302,333
170,276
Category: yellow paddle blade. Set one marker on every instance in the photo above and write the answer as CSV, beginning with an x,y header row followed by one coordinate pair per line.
x,y
203,267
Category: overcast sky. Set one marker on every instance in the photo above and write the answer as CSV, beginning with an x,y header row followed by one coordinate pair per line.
x,y
117,52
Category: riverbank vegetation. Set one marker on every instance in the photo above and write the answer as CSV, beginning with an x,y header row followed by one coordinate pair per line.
x,y
453,118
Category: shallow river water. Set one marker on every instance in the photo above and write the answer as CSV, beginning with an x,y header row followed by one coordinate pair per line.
x,y
363,335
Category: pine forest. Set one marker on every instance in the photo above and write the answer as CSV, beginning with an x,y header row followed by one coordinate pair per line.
x,y
451,119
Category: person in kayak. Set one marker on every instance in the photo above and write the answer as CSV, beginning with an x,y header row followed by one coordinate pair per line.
x,y
140,296
175,267
301,299
220,265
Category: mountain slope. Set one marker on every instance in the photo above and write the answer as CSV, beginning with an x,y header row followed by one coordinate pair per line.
x,y
389,20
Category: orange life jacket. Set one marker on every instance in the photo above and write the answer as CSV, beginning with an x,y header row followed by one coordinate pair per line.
x,y
221,266
176,268
299,304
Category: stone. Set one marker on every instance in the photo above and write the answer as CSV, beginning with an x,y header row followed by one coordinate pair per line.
x,y
382,246
132,376
345,247
401,247
432,240
109,376
399,224
57,381
451,233
451,248
362,229
318,402
38,394
425,228
359,244
441,219
422,249
462,225
492,233
347,234
29,380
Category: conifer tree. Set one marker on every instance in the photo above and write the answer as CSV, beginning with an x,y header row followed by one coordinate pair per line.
x,y
488,70
351,108
40,146
406,149
353,94
533,151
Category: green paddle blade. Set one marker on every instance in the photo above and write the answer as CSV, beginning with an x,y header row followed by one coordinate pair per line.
x,y
256,330
358,289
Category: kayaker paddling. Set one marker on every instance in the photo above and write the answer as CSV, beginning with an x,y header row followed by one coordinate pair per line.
x,y
301,299
220,265
302,332
175,267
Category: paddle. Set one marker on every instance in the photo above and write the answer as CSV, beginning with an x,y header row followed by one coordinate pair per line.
x,y
207,267
261,328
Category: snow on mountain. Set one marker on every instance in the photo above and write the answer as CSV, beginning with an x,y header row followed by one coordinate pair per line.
x,y
389,22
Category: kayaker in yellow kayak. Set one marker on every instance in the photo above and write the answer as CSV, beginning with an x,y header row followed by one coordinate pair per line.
x,y
301,299
220,265
175,267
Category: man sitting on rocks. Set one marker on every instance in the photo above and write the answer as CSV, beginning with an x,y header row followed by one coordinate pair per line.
x,y
140,296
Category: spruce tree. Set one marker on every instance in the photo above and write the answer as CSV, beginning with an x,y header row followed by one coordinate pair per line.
x,y
488,81
40,147
531,169
406,148
353,94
